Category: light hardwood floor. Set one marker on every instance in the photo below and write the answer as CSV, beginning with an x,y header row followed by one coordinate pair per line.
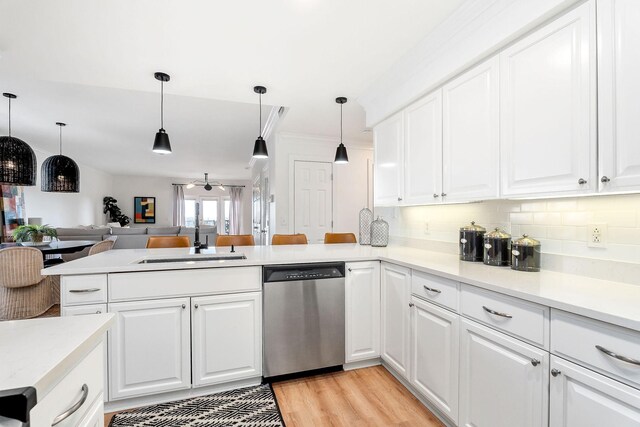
x,y
363,397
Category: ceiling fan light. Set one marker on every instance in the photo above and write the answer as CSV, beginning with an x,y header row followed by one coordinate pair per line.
x,y
260,149
161,144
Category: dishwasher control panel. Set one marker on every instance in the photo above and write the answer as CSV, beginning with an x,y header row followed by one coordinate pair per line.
x,y
286,273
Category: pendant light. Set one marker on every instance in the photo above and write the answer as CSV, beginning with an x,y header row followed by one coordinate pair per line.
x,y
17,160
341,151
60,174
161,144
260,147
207,186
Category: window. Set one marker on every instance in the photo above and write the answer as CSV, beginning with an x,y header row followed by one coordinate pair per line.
x,y
212,209
209,211
227,210
190,212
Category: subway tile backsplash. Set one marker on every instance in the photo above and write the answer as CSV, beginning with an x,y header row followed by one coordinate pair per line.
x,y
561,225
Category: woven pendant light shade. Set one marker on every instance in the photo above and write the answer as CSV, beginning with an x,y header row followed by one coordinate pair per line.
x,y
60,174
17,162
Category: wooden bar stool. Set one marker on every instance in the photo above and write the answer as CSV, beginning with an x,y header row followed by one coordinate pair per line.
x,y
235,240
339,238
289,239
168,242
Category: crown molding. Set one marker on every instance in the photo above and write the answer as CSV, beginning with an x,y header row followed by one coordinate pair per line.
x,y
287,137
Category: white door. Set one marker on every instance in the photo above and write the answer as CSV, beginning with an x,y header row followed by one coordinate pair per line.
x,y
313,194
619,94
395,316
388,140
149,347
423,150
226,338
435,355
548,108
503,381
256,211
362,297
582,398
470,150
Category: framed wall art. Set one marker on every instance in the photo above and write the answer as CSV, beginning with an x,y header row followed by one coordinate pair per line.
x,y
144,209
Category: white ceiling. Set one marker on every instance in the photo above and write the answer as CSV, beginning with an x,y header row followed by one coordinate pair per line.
x,y
91,63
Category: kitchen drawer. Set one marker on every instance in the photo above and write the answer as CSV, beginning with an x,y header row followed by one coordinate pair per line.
x,y
575,337
180,283
77,310
435,289
522,319
70,391
84,289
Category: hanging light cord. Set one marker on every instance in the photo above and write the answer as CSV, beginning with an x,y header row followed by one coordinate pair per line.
x,y
9,117
60,139
161,104
341,123
260,130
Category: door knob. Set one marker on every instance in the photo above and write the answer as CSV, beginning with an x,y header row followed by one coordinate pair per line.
x,y
604,179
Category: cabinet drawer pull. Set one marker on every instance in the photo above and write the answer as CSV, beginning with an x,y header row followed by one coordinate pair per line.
x,y
437,291
535,362
497,313
66,414
555,372
618,356
82,291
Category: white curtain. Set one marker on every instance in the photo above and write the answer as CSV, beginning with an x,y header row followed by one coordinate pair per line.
x,y
235,214
178,205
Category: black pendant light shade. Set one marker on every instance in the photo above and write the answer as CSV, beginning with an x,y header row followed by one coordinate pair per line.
x,y
260,146
161,144
341,151
17,160
60,174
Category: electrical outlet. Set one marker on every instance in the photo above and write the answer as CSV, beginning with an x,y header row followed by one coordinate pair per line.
x,y
426,227
597,236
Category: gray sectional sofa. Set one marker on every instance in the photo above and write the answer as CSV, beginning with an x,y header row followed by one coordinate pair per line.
x,y
133,237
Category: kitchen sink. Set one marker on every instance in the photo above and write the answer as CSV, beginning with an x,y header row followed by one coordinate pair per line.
x,y
193,259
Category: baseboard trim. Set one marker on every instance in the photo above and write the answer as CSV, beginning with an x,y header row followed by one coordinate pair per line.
x,y
137,402
362,364
444,419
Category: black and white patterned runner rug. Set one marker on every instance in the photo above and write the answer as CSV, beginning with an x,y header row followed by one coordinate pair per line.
x,y
245,407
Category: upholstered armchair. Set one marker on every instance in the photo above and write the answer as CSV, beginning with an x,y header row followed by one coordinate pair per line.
x,y
24,292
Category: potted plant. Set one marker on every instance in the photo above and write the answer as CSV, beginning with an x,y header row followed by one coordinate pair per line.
x,y
33,234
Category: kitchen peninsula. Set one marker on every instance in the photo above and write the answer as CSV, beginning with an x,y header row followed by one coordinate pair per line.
x,y
187,327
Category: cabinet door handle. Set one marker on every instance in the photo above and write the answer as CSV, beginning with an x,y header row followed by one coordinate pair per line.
x,y
437,291
411,304
604,179
99,312
618,356
184,306
195,306
66,414
497,313
444,194
535,362
435,196
349,270
582,181
399,199
555,372
81,291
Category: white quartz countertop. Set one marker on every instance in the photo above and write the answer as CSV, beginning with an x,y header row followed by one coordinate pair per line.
x,y
39,352
613,302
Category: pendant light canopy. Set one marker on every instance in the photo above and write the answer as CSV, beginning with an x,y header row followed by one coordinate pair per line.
x,y
260,147
341,151
17,160
161,144
60,174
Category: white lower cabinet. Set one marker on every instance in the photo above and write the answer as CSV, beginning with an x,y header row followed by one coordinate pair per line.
x,y
227,338
583,398
149,347
396,293
504,382
435,355
362,298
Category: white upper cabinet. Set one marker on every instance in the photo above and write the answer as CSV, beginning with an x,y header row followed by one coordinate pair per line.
x,y
548,108
388,140
470,149
423,150
619,94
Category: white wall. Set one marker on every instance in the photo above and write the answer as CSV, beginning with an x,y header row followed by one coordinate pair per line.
x,y
126,187
559,224
350,180
69,209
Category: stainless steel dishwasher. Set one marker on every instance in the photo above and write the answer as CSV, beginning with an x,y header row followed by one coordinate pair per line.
x,y
303,317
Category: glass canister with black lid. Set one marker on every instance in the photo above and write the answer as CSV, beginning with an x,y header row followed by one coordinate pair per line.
x,y
525,254
497,248
471,242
